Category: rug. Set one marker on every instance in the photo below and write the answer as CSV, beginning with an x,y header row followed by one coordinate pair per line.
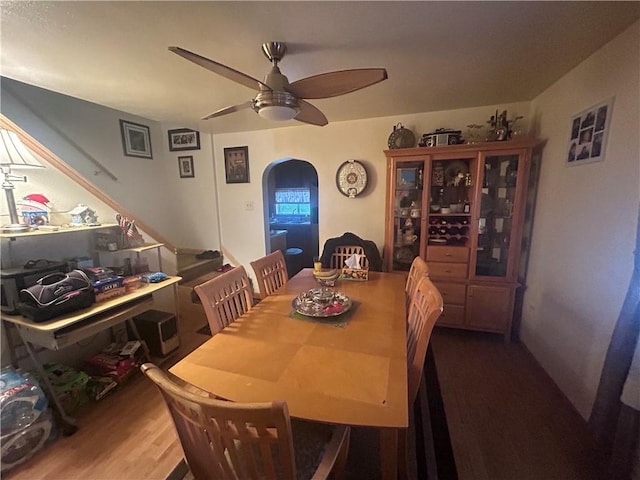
x,y
436,447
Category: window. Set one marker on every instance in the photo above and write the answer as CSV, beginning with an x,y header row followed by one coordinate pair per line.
x,y
292,204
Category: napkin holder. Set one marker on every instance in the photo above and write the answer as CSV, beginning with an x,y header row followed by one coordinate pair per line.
x,y
352,270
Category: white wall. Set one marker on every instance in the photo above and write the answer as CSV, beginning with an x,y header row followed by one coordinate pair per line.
x,y
586,216
326,148
183,210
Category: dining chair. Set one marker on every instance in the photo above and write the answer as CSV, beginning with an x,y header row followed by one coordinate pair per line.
x,y
227,440
425,307
343,252
225,298
419,269
271,273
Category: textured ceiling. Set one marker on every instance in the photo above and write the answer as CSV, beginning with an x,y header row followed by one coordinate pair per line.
x,y
439,55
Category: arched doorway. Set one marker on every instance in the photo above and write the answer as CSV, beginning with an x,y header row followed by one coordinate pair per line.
x,y
290,199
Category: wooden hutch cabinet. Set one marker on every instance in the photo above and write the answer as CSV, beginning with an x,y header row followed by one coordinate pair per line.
x,y
462,208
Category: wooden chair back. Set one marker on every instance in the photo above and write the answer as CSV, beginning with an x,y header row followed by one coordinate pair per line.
x,y
342,252
271,273
225,440
425,307
419,269
225,298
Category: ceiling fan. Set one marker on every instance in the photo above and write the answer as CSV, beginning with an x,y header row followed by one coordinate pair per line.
x,y
279,100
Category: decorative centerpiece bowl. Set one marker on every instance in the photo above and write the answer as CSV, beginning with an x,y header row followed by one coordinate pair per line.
x,y
322,295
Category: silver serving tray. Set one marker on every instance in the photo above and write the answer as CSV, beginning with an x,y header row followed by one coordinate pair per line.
x,y
321,303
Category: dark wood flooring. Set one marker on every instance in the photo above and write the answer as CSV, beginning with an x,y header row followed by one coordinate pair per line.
x,y
507,420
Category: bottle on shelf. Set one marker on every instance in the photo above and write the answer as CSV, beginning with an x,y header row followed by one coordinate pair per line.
x,y
466,207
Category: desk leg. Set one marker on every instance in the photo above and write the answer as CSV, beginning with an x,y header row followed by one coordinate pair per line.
x,y
389,453
9,331
70,424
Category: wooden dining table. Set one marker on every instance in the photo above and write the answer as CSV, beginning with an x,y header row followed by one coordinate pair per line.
x,y
349,369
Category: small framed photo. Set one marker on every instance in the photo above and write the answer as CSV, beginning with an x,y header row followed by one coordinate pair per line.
x,y
236,164
589,131
184,139
136,139
406,177
185,165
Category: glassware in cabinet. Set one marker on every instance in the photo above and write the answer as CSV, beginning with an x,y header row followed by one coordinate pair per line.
x,y
495,219
451,194
407,208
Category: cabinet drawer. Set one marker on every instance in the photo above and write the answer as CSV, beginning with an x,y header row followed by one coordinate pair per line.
x,y
452,292
448,270
451,315
448,254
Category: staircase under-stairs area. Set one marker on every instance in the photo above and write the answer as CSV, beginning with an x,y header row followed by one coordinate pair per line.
x,y
193,271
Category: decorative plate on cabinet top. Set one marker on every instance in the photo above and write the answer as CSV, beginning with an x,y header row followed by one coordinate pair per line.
x,y
401,137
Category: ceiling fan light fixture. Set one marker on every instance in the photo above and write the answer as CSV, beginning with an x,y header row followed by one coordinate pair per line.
x,y
278,113
276,106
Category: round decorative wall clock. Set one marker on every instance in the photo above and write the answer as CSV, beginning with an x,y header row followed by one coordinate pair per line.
x,y
351,178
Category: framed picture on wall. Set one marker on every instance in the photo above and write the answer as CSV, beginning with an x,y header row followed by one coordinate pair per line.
x,y
236,164
136,140
589,131
185,165
184,139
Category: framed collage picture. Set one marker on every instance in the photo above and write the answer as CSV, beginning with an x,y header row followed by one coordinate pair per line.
x,y
589,131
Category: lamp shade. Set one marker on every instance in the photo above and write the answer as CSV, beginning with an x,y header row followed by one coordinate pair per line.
x,y
14,154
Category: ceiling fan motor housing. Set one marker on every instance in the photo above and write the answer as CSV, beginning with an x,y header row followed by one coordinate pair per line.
x,y
275,99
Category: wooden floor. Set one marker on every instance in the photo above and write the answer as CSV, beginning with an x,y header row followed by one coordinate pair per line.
x,y
507,420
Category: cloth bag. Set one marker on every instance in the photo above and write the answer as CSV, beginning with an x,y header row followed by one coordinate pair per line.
x,y
55,295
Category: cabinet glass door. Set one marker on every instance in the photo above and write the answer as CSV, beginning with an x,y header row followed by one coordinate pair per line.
x,y
495,222
449,205
407,205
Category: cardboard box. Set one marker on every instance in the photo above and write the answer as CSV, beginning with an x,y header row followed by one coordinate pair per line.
x,y
108,288
354,274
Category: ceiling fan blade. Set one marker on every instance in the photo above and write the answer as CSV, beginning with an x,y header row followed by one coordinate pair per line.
x,y
231,109
332,84
220,69
310,114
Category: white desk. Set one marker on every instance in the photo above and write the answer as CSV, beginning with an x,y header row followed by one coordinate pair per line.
x,y
73,327
65,330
